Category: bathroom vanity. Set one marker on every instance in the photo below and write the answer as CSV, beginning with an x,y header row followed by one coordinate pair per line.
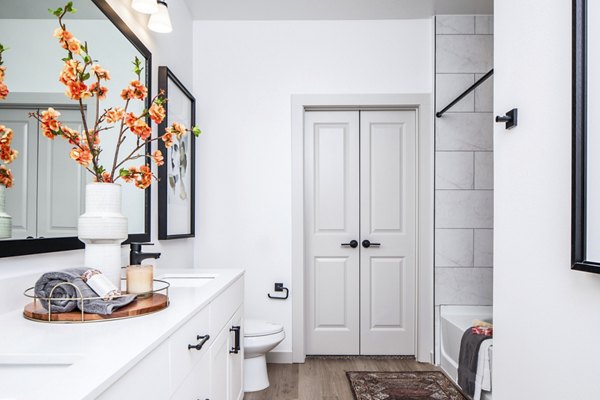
x,y
191,350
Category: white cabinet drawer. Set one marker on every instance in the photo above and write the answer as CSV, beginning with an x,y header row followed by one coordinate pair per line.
x,y
184,358
148,379
225,305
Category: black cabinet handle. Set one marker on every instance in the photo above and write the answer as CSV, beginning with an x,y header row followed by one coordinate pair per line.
x,y
353,244
236,348
366,244
200,344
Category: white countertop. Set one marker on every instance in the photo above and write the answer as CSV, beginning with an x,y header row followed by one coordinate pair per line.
x,y
102,351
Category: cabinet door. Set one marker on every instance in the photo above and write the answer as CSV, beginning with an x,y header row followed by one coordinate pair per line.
x,y
219,357
236,357
196,385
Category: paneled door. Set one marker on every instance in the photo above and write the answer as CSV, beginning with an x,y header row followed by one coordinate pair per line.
x,y
360,224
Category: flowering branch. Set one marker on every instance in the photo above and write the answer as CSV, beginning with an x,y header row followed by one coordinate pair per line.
x,y
7,154
78,68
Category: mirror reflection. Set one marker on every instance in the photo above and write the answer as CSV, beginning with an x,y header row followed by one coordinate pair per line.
x,y
48,193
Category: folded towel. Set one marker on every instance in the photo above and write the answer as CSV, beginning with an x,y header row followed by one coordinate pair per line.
x,y
467,360
483,377
65,293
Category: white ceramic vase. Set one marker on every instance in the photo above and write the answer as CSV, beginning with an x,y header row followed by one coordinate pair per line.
x,y
5,219
103,228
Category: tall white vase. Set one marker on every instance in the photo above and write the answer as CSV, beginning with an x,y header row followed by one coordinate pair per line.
x,y
5,219
103,228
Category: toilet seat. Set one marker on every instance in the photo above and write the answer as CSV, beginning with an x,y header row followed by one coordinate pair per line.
x,y
255,328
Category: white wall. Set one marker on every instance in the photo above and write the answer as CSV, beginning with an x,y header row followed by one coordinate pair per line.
x,y
545,315
167,49
244,76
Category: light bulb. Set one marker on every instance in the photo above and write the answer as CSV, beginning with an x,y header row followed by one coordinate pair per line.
x,y
145,6
160,21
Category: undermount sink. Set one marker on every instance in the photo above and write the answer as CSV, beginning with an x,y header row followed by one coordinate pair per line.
x,y
35,360
187,280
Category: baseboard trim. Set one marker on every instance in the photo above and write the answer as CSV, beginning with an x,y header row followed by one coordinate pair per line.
x,y
279,357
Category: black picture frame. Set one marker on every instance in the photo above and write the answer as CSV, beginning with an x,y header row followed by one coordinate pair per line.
x,y
166,190
579,256
21,247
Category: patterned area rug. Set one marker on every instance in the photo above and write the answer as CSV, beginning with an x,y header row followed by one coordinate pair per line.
x,y
403,386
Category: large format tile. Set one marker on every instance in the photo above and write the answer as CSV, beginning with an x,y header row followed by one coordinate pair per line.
x,y
454,170
455,24
464,131
484,170
464,53
484,95
454,247
449,86
484,24
464,209
465,286
483,248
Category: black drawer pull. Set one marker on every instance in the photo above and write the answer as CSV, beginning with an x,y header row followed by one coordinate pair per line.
x,y
199,345
236,348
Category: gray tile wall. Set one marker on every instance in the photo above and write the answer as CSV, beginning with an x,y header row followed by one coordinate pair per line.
x,y
464,162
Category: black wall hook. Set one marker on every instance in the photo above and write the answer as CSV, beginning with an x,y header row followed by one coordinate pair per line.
x,y
279,288
510,118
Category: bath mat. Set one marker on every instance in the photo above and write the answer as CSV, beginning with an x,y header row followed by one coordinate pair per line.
x,y
417,385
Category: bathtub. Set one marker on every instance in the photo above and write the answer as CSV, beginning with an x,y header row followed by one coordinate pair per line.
x,y
454,321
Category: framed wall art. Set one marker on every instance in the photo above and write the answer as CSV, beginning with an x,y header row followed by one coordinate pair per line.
x,y
176,186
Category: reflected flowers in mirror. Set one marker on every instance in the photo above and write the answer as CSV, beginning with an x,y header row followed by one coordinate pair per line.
x,y
7,154
84,78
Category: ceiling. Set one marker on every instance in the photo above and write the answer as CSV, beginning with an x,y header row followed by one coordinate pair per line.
x,y
332,9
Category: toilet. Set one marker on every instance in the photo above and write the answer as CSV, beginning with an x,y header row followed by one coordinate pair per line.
x,y
260,337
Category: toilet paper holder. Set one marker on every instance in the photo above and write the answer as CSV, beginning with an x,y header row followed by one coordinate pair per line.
x,y
279,288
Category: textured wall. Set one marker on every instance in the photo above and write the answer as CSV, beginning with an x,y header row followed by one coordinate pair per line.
x,y
464,162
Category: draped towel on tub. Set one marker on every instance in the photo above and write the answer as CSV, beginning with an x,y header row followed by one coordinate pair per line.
x,y
468,360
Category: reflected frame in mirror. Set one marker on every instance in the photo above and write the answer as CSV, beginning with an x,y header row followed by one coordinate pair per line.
x,y
10,248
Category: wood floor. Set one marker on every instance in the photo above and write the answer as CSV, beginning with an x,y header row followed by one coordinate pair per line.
x,y
325,378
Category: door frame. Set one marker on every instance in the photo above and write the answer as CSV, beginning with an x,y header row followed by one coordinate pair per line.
x,y
421,104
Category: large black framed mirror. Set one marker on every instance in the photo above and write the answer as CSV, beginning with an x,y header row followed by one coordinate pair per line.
x,y
46,204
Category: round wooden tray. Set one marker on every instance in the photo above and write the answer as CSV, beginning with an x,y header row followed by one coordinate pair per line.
x,y
35,312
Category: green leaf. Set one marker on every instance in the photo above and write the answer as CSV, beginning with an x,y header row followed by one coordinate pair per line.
x,y
58,11
196,131
86,76
123,172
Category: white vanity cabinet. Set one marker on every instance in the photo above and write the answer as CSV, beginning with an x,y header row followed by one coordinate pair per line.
x,y
199,361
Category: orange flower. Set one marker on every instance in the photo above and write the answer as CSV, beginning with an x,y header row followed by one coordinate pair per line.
x,y
62,34
8,155
158,158
2,73
127,94
71,135
100,91
50,125
49,114
6,135
178,130
140,128
82,156
100,72
130,174
95,139
157,112
69,72
77,90
139,91
74,46
3,91
167,138
144,178
6,177
115,114
105,178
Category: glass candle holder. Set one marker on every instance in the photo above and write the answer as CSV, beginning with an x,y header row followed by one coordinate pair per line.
x,y
140,279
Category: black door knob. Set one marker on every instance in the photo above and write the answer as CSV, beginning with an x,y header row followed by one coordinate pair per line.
x,y
353,244
367,243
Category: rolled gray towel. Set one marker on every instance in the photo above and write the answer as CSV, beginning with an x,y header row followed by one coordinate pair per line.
x,y
65,293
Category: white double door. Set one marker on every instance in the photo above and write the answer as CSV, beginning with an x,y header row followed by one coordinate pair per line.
x,y
360,224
